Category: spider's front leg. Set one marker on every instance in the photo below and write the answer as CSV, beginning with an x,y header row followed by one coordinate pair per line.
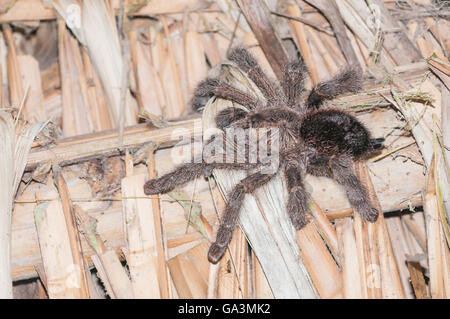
x,y
216,87
342,170
297,205
270,117
228,116
187,172
231,214
293,82
349,80
182,174
248,64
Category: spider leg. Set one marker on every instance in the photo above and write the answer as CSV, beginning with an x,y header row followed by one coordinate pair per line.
x,y
349,80
214,156
231,214
270,117
229,115
356,193
215,87
248,64
297,205
185,173
293,81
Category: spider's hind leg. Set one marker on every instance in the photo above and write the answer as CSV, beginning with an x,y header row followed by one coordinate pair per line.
x,y
349,80
231,214
249,65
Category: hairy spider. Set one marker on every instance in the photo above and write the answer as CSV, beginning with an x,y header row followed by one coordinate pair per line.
x,y
322,142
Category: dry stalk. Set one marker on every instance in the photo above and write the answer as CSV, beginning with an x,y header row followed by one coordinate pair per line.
x,y
110,270
74,237
351,279
146,257
433,226
15,145
300,33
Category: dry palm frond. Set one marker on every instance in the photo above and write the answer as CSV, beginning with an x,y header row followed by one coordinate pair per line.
x,y
15,144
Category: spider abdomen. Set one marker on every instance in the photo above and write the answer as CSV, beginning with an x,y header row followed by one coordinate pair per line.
x,y
334,132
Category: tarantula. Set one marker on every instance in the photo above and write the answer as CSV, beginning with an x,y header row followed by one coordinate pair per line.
x,y
322,142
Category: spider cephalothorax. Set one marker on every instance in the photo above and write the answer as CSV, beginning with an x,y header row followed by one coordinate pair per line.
x,y
322,142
